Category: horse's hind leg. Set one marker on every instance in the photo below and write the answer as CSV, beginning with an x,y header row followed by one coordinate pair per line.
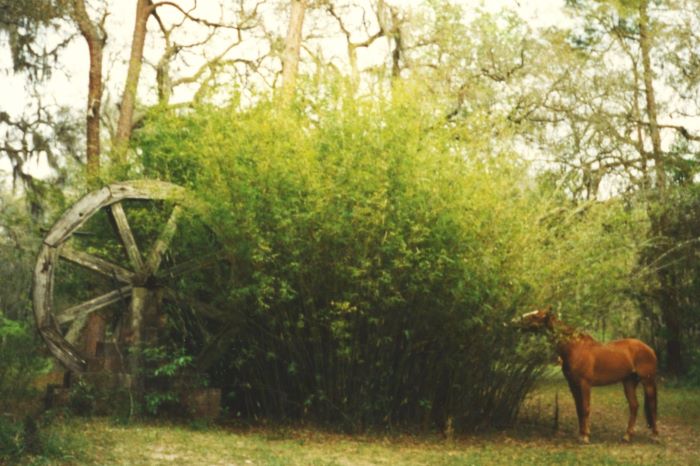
x,y
586,410
630,385
650,403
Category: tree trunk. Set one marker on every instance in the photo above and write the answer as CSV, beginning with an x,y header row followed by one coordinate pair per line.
x,y
648,73
292,48
669,307
669,312
95,42
639,128
674,351
398,45
391,27
126,111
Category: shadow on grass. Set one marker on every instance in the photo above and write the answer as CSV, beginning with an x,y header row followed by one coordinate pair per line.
x,y
549,413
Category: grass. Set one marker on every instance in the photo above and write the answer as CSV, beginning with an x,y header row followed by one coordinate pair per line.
x,y
102,441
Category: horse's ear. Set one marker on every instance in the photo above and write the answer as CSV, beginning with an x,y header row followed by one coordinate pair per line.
x,y
551,316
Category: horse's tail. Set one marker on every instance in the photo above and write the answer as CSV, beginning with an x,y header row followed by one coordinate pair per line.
x,y
650,402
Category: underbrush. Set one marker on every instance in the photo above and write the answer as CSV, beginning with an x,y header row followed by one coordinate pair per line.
x,y
20,363
693,376
38,440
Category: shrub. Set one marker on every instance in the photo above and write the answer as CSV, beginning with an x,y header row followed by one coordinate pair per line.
x,y
32,441
20,363
10,440
168,372
375,259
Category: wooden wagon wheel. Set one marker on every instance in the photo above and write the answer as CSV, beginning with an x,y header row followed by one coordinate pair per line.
x,y
58,326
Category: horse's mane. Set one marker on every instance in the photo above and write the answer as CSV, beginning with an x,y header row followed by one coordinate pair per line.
x,y
561,329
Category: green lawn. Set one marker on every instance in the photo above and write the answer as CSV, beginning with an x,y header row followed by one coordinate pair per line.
x,y
532,441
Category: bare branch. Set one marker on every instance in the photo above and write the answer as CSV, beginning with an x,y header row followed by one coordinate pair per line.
x,y
188,15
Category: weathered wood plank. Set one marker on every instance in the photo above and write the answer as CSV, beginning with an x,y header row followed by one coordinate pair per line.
x,y
74,217
43,304
43,285
93,305
63,351
163,242
138,307
147,189
75,328
96,264
126,236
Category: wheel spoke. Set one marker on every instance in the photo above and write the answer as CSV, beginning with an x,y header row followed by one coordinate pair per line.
x,y
96,264
57,326
163,242
75,328
127,236
191,265
93,305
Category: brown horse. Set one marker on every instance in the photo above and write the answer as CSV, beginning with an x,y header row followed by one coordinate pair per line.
x,y
587,363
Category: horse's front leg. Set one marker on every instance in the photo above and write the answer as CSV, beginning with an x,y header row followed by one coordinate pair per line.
x,y
575,389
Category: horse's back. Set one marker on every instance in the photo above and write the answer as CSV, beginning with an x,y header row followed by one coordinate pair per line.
x,y
642,356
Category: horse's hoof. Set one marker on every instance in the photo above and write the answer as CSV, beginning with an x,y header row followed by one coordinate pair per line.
x,y
584,439
655,438
627,437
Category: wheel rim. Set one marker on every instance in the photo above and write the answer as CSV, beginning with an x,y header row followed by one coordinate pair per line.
x,y
141,266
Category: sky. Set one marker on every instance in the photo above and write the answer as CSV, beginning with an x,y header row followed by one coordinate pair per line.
x,y
70,88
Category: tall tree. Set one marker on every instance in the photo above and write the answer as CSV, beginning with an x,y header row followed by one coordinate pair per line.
x,y
246,19
354,45
95,36
645,45
40,131
144,8
292,49
637,123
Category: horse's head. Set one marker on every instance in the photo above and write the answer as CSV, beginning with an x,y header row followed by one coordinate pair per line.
x,y
535,320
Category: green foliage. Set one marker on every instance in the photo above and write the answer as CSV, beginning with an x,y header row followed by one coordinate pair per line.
x,y
35,441
168,364
23,23
96,395
166,371
17,254
671,261
83,398
693,375
20,362
10,440
589,261
376,258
